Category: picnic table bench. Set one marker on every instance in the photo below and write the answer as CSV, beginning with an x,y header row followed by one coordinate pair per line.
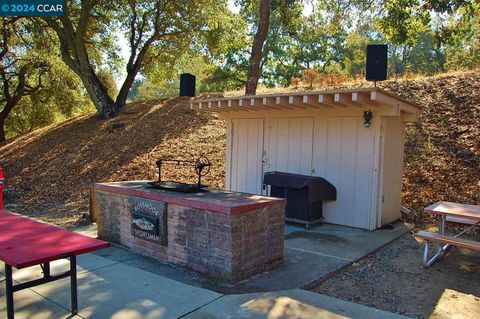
x,y
455,213
25,242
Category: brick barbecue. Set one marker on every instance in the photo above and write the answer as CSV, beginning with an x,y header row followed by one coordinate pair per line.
x,y
228,236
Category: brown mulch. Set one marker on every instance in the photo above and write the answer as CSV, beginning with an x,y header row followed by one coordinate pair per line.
x,y
442,150
49,171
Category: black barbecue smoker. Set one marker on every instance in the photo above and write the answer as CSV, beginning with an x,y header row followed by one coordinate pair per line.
x,y
304,195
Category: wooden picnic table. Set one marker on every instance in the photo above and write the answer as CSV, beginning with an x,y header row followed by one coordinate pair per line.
x,y
450,212
454,210
25,242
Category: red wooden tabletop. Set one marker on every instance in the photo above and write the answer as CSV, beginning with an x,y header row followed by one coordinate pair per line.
x,y
454,210
25,242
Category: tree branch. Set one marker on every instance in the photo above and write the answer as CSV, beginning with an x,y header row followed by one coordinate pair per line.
x,y
6,84
85,15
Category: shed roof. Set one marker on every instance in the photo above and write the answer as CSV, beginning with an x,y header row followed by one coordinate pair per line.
x,y
342,98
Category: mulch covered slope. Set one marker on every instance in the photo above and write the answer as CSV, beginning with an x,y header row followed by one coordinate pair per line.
x,y
442,151
49,171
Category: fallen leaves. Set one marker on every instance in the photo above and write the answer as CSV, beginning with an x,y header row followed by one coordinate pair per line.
x,y
52,169
442,150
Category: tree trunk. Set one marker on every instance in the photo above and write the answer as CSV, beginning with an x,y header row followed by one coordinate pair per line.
x,y
2,130
98,93
404,60
74,54
123,93
104,104
258,41
127,84
11,103
133,67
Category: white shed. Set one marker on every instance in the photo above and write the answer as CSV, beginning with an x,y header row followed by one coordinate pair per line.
x,y
321,133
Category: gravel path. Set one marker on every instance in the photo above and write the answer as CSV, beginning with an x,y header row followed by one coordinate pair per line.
x,y
394,280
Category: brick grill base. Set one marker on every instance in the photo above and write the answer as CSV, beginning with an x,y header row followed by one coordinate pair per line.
x,y
227,247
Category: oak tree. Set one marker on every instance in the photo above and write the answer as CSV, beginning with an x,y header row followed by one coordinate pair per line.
x,y
146,25
21,74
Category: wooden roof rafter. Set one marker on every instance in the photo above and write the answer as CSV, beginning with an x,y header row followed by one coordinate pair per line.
x,y
248,103
238,106
364,99
309,100
282,102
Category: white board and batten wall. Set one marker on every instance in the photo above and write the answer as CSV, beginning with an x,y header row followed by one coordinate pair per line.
x,y
330,141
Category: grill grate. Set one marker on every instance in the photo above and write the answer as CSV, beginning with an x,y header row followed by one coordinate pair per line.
x,y
201,166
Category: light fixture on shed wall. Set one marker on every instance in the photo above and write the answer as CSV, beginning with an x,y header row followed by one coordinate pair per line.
x,y
367,116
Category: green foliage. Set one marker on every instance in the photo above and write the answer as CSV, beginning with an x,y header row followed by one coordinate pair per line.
x,y
51,90
426,57
108,81
62,97
404,20
146,91
317,41
333,39
463,51
355,53
233,65
164,80
230,75
221,61
134,90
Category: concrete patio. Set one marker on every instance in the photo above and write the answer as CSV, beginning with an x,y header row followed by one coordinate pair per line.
x,y
116,283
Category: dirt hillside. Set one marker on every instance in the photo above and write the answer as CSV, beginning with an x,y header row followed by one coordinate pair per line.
x,y
48,172
442,153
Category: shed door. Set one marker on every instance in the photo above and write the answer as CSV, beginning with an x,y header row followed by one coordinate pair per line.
x,y
246,160
392,170
288,145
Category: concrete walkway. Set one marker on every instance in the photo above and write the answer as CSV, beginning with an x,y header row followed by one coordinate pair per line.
x,y
116,283
309,256
110,289
295,303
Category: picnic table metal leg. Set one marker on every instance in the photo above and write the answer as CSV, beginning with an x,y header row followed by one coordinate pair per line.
x,y
46,270
73,284
9,291
47,277
441,224
428,262
441,248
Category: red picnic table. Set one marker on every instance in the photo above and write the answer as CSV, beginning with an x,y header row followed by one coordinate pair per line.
x,y
468,215
25,242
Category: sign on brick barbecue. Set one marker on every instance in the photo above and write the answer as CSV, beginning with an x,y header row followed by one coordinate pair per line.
x,y
149,220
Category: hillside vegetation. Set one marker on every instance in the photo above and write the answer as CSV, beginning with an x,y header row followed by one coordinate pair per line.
x,y
48,172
